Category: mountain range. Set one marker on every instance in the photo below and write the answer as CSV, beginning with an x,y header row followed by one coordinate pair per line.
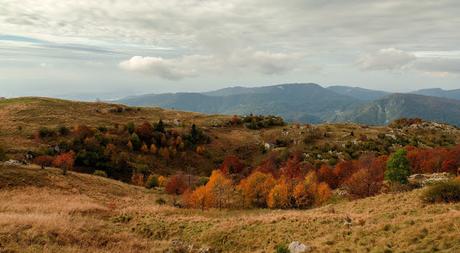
x,y
312,103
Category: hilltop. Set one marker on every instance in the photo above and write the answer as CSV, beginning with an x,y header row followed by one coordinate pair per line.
x,y
103,215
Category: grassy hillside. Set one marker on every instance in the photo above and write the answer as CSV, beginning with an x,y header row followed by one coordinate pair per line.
x,y
41,210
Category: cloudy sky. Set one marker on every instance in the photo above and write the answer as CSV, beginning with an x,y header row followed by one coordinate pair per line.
x,y
113,48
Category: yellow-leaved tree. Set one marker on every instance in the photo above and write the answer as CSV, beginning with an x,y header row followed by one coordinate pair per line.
x,y
279,196
255,188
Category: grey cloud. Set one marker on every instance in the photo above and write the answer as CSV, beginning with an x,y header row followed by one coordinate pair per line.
x,y
192,65
253,40
386,59
439,65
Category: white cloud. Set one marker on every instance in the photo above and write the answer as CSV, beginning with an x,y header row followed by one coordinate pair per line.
x,y
172,69
386,59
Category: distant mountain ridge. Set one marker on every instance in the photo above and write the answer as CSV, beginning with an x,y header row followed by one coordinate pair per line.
x,y
395,106
437,92
310,103
359,93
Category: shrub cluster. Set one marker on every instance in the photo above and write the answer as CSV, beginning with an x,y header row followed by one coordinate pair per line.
x,y
121,150
446,192
257,121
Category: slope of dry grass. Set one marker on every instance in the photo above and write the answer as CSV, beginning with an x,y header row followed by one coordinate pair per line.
x,y
43,211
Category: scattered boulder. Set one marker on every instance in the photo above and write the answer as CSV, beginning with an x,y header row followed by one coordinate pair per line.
x,y
421,180
13,163
297,247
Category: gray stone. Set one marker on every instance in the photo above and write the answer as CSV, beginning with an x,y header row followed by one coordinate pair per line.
x,y
297,247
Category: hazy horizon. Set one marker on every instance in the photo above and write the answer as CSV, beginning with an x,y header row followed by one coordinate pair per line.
x,y
111,49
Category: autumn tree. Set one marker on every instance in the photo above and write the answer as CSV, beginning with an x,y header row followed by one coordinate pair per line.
x,y
398,169
144,148
145,132
176,184
232,165
130,146
293,169
305,191
165,154
153,149
162,181
327,174
256,187
82,132
65,161
279,196
369,176
343,170
323,193
220,188
43,161
199,198
269,165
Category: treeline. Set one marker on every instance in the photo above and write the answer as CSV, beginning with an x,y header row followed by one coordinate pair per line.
x,y
121,150
298,184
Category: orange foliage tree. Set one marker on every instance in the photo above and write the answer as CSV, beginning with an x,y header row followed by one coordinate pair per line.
x,y
220,188
145,132
43,161
279,196
305,191
232,165
65,161
368,178
176,184
255,188
200,198
323,193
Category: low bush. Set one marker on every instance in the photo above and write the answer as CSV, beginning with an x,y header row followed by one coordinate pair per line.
x,y
63,130
152,182
160,201
2,154
100,173
446,192
281,248
46,132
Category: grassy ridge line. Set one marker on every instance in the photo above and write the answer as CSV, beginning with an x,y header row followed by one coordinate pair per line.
x,y
41,210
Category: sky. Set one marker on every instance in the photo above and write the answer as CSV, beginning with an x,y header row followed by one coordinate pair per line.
x,y
114,48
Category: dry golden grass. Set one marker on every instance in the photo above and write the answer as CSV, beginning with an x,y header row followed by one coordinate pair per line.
x,y
84,213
